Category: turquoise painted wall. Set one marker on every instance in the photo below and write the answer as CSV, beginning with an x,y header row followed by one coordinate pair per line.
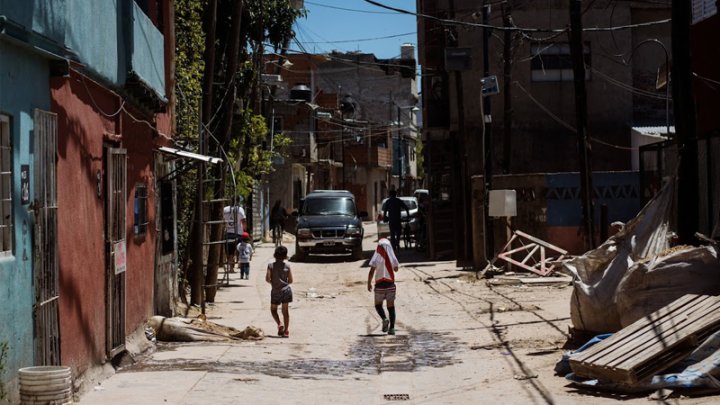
x,y
109,37
23,87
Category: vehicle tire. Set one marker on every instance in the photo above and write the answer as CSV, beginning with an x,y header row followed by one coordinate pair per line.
x,y
300,253
357,253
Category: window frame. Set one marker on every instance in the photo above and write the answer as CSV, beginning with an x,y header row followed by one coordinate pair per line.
x,y
6,134
140,210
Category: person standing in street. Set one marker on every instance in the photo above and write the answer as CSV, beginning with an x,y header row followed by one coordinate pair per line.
x,y
235,225
279,275
245,252
383,266
392,212
278,214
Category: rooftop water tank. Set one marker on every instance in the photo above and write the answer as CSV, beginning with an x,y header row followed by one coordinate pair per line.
x,y
301,92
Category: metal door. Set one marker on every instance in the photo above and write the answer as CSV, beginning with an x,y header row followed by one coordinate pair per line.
x,y
115,238
45,269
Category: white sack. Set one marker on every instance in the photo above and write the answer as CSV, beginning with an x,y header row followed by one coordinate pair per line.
x,y
598,273
649,286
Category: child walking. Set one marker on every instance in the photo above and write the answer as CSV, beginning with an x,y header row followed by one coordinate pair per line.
x,y
384,265
280,277
245,251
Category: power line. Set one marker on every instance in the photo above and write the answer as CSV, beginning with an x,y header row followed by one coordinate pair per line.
x,y
565,124
344,41
348,9
514,27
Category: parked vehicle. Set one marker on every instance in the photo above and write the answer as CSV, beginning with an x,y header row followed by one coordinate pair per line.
x,y
328,222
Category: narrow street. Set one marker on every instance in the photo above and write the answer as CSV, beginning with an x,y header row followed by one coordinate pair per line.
x,y
459,341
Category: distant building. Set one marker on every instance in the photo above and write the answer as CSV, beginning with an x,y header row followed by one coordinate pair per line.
x,y
622,91
352,120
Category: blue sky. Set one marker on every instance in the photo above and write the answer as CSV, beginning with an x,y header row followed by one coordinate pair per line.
x,y
327,23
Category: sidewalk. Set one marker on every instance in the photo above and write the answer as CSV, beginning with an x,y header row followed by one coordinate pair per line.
x,y
241,304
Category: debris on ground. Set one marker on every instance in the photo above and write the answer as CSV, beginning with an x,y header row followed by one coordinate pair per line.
x,y
677,347
197,330
651,344
536,251
529,280
636,271
657,305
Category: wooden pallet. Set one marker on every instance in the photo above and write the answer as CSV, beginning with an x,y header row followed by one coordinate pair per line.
x,y
652,343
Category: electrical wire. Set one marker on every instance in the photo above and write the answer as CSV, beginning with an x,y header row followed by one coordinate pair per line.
x,y
565,124
348,9
344,41
120,109
514,27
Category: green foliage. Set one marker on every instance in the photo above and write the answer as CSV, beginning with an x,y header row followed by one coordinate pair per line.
x,y
271,21
189,68
253,129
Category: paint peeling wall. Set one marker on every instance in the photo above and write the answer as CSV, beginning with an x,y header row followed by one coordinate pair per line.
x,y
23,88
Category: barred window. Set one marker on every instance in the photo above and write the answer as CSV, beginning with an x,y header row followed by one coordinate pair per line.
x,y
6,173
140,217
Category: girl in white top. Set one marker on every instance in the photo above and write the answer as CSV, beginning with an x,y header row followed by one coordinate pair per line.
x,y
383,266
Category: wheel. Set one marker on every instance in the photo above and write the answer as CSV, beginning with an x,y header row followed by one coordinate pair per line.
x,y
357,253
300,253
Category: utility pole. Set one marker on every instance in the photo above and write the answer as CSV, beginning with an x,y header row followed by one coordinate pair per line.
x,y
684,111
507,87
487,139
577,52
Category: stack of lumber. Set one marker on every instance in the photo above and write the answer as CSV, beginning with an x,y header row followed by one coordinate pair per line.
x,y
651,344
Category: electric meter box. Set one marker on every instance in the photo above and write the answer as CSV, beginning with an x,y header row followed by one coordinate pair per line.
x,y
502,203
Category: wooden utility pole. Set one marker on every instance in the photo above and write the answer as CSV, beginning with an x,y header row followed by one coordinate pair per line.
x,y
685,127
487,140
507,87
577,52
223,141
197,233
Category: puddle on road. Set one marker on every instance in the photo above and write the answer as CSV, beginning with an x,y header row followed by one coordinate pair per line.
x,y
369,355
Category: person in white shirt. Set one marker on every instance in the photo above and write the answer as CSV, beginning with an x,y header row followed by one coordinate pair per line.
x,y
235,225
384,265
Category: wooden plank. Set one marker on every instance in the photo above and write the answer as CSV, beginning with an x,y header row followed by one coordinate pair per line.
x,y
684,321
687,332
609,353
653,343
631,331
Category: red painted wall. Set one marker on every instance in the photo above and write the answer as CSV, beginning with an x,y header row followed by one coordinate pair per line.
x,y
83,125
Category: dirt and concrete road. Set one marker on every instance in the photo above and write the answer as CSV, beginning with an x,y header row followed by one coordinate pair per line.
x,y
459,341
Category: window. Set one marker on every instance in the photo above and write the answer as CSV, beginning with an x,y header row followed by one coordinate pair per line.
x,y
553,62
140,221
6,214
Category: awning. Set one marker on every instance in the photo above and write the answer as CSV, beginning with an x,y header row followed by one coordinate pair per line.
x,y
190,155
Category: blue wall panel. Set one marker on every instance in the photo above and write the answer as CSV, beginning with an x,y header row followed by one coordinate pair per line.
x,y
23,87
619,190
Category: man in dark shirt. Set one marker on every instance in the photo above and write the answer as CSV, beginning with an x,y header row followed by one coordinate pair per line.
x,y
392,212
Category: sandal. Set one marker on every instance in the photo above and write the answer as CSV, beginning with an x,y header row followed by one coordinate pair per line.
x,y
281,330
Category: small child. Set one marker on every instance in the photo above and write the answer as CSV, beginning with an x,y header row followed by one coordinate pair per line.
x,y
280,276
384,265
245,251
